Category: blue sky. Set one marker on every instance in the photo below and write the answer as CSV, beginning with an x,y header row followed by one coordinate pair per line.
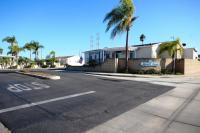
x,y
67,25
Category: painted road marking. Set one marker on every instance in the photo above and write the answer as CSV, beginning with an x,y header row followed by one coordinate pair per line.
x,y
26,87
44,102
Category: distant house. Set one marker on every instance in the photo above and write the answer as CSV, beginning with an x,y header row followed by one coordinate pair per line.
x,y
62,59
190,53
137,51
70,60
149,51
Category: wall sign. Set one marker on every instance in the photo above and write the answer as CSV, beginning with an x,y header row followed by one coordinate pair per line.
x,y
150,63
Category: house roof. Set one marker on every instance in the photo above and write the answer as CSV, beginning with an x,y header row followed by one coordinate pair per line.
x,y
63,57
119,49
7,56
149,44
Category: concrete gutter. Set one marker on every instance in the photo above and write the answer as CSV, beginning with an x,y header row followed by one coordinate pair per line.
x,y
52,77
3,129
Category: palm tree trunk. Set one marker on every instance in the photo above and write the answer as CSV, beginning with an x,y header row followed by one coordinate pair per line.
x,y
35,55
41,53
30,54
127,37
173,64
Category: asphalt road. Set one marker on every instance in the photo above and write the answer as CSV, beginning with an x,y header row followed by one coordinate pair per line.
x,y
57,110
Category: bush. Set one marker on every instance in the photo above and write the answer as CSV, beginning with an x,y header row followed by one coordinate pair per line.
x,y
13,67
150,71
165,71
29,66
44,66
92,63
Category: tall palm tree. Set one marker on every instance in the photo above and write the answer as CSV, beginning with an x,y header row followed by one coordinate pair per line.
x,y
14,50
142,38
172,48
29,46
36,47
11,40
121,19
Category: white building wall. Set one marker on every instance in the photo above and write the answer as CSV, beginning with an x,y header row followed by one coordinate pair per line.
x,y
190,53
74,61
144,52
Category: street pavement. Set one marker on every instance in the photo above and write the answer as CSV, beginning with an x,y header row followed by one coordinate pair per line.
x,y
176,111
74,104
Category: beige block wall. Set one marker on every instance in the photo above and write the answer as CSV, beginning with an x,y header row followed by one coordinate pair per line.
x,y
110,65
186,66
166,64
121,65
191,67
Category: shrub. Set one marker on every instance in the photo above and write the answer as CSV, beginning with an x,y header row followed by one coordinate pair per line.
x,y
29,66
150,71
13,67
44,66
165,71
92,63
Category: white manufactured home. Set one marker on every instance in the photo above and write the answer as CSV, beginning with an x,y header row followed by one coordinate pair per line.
x,y
149,51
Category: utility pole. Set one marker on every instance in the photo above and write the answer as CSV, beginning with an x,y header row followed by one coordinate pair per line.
x,y
98,40
91,42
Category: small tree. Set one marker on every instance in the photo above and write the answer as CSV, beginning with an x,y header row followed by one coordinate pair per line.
x,y
172,48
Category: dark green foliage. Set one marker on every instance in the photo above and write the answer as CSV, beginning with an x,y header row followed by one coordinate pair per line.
x,y
44,66
93,63
150,71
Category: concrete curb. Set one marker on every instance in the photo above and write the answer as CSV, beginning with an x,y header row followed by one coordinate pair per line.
x,y
3,129
52,77
134,75
124,75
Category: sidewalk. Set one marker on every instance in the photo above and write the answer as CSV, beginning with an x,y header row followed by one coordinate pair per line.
x,y
176,111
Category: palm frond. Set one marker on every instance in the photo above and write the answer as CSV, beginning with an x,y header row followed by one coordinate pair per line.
x,y
12,40
120,18
119,29
114,17
171,47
